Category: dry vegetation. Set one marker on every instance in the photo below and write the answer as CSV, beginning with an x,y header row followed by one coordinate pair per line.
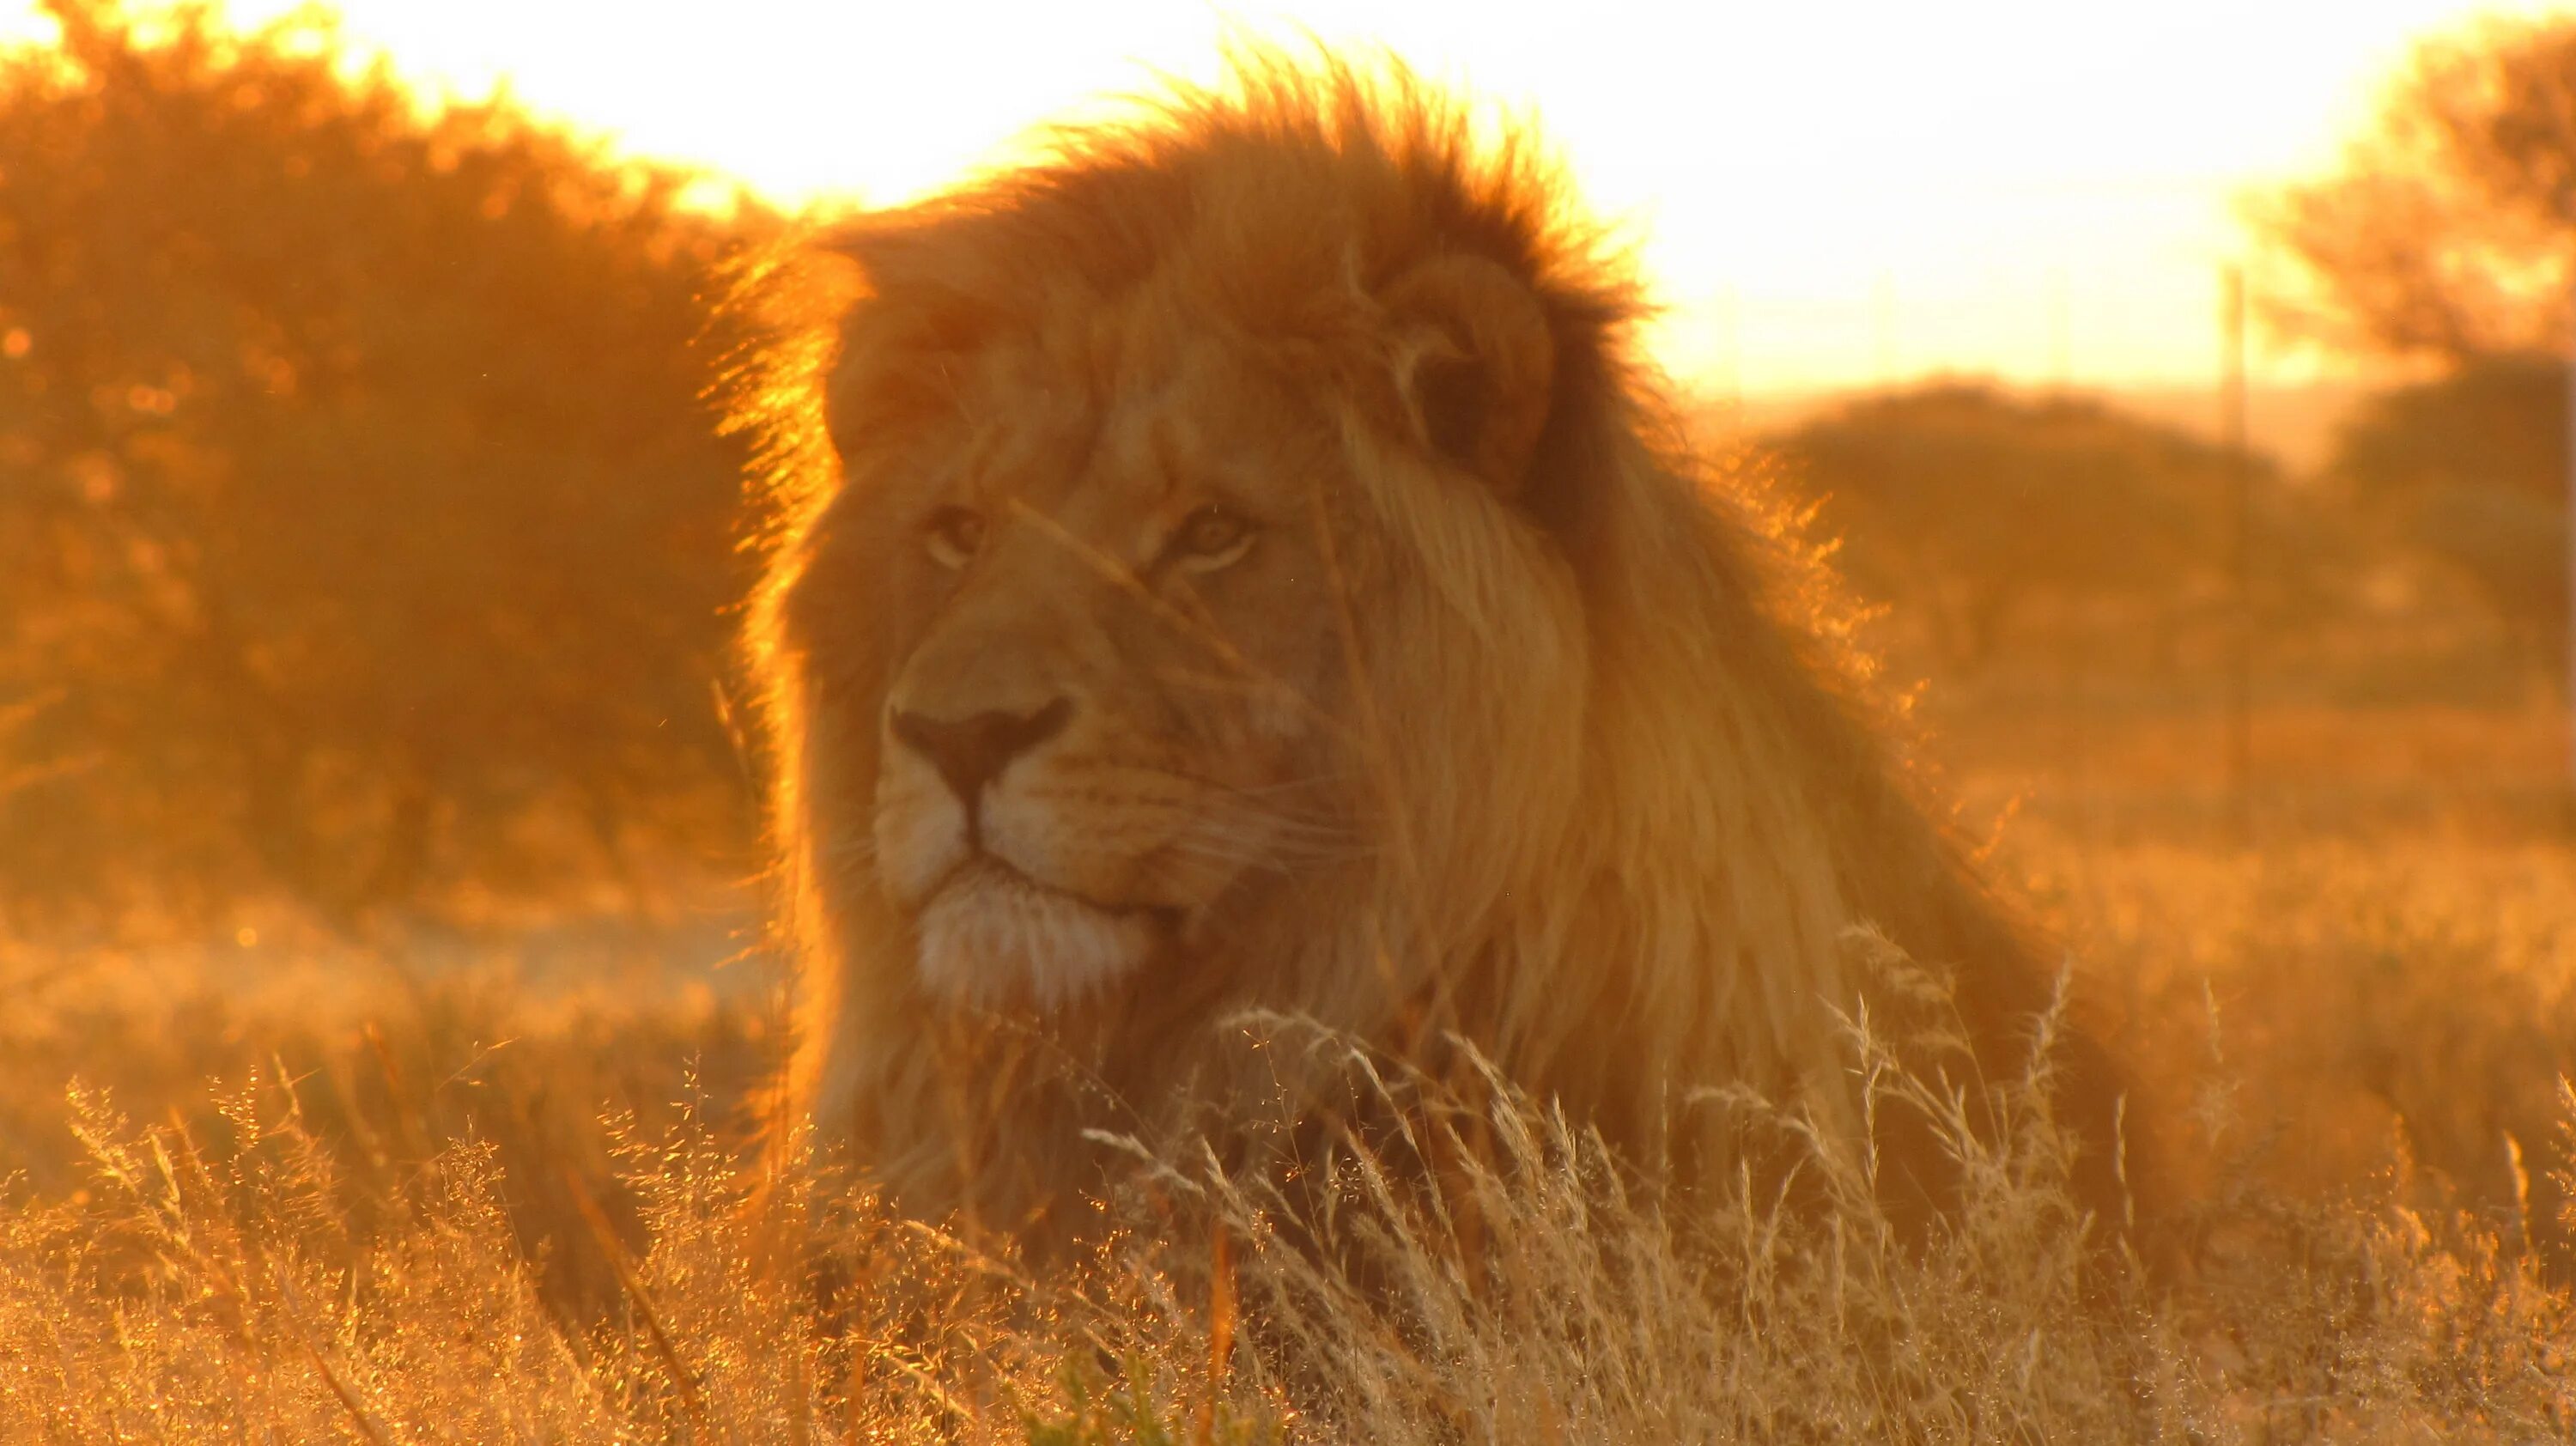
x,y
500,1200
477,1182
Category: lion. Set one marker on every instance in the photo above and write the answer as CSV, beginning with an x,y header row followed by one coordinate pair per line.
x,y
1255,571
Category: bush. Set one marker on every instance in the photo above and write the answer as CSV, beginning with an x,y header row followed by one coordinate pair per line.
x,y
365,531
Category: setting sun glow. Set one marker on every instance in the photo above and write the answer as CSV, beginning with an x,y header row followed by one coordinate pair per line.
x,y
1827,195
684,756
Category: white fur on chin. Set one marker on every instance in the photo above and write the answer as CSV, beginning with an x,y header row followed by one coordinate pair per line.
x,y
992,939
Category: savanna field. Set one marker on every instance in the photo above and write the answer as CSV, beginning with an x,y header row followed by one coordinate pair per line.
x,y
387,1004
490,1187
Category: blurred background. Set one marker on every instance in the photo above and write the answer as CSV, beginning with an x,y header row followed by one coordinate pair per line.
x,y
2189,393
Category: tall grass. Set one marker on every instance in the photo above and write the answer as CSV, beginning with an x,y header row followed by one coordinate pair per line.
x,y
466,1213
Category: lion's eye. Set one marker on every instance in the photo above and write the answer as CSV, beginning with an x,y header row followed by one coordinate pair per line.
x,y
956,534
1210,538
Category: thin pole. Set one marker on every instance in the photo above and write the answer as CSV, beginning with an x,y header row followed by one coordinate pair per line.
x,y
2240,539
2061,348
2570,536
1884,297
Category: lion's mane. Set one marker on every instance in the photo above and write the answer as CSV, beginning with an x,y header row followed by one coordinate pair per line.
x,y
1629,808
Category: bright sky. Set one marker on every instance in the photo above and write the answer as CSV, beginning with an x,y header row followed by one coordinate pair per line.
x,y
1829,194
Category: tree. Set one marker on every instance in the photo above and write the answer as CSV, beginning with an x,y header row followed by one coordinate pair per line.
x,y
364,528
2450,229
1971,506
2469,469
2448,236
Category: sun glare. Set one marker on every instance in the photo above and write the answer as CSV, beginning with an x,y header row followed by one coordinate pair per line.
x,y
1826,196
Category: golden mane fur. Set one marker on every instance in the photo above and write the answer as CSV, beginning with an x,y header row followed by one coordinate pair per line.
x,y
1596,787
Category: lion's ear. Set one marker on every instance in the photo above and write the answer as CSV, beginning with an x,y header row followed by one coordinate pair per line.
x,y
1476,365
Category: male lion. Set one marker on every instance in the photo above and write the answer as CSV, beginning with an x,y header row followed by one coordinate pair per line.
x,y
1255,579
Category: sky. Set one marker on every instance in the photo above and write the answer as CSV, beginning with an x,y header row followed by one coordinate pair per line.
x,y
1825,195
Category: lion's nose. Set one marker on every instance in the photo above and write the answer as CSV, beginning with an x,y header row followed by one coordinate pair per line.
x,y
969,752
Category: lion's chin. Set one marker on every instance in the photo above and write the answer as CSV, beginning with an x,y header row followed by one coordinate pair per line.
x,y
996,939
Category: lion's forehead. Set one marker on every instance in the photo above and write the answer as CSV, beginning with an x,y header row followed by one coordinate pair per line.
x,y
1085,459
1185,409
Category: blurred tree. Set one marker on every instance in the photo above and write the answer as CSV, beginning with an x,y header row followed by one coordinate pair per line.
x,y
1969,506
2470,470
2450,230
364,529
2449,237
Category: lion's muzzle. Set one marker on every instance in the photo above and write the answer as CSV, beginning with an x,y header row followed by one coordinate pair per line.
x,y
985,839
970,752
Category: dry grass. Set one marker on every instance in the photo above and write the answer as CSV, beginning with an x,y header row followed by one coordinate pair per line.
x,y
480,1205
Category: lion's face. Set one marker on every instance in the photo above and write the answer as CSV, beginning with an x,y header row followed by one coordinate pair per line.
x,y
1089,623
1114,714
